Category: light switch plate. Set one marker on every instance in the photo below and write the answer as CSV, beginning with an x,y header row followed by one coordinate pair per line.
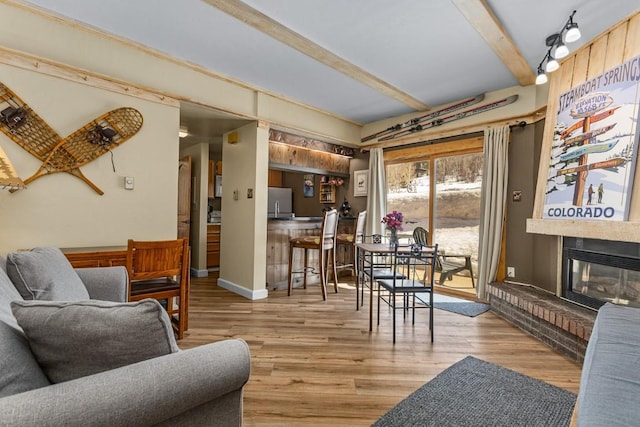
x,y
128,183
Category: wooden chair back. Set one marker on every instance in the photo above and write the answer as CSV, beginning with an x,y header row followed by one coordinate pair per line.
x,y
421,236
358,236
160,270
329,229
157,259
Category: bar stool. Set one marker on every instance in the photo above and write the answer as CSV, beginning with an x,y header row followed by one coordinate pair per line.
x,y
325,244
350,240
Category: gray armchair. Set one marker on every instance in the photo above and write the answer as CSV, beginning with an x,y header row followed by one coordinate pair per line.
x,y
197,387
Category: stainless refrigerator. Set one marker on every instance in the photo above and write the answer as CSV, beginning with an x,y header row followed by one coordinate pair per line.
x,y
280,202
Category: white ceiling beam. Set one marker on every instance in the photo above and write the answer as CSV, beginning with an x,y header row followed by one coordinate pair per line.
x,y
276,30
482,18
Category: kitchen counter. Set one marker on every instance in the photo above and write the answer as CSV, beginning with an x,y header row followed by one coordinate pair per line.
x,y
279,232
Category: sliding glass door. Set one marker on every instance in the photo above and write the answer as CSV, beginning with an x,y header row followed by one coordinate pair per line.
x,y
441,193
456,219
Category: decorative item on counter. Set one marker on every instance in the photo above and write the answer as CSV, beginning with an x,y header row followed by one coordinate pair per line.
x,y
307,187
345,209
393,223
343,151
335,181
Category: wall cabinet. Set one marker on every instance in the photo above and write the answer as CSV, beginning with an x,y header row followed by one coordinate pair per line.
x,y
327,193
275,178
213,245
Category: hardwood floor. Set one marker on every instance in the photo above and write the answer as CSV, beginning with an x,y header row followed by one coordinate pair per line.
x,y
315,363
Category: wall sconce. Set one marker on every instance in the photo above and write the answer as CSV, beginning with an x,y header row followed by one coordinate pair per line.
x,y
9,179
557,49
183,132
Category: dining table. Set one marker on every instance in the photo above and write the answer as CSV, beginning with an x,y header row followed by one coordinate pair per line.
x,y
367,252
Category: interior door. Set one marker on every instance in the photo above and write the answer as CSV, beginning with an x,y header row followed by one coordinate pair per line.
x,y
184,197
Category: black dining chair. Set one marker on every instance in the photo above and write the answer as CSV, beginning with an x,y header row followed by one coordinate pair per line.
x,y
373,266
413,268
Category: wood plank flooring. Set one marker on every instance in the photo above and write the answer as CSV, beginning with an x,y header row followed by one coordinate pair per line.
x,y
314,362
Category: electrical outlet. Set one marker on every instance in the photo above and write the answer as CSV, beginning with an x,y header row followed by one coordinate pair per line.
x,y
511,272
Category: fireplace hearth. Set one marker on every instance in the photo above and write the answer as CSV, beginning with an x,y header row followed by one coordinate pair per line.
x,y
598,271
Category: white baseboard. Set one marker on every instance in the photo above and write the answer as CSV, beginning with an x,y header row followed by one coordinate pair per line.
x,y
240,290
199,273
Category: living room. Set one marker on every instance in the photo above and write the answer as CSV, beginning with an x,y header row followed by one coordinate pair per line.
x,y
56,210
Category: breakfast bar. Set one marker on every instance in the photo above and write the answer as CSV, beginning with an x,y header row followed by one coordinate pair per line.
x,y
280,231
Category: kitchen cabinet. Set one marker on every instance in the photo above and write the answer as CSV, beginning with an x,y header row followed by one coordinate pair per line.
x,y
213,245
327,193
275,178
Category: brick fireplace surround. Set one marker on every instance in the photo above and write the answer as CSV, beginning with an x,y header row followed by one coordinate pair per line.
x,y
564,326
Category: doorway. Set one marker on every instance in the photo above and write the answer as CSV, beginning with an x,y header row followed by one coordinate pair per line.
x,y
441,193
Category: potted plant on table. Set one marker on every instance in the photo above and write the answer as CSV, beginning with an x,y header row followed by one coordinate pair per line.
x,y
393,223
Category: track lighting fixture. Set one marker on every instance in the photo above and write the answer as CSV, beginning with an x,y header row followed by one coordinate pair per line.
x,y
557,49
573,32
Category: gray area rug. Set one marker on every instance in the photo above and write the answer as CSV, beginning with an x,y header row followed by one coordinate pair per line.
x,y
473,392
456,305
468,308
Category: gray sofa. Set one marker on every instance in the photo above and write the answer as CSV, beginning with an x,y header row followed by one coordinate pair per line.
x,y
609,392
200,386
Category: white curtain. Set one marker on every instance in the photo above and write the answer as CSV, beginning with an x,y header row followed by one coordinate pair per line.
x,y
376,193
492,204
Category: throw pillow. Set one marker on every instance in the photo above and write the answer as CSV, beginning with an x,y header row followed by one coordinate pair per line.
x,y
8,293
76,339
20,370
45,274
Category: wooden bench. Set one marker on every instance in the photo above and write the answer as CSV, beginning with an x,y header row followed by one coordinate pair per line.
x,y
448,267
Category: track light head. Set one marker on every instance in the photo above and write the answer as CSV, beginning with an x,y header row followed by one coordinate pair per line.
x,y
573,32
560,51
552,65
541,78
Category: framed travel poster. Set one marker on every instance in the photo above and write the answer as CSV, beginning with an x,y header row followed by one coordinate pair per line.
x,y
594,147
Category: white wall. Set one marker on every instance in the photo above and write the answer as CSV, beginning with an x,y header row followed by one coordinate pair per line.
x,y
61,210
243,258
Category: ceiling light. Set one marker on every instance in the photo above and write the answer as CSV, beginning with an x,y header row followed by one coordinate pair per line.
x,y
183,132
560,51
557,49
552,65
541,78
573,32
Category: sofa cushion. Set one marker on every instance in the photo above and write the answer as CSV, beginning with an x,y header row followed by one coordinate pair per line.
x,y
19,370
75,339
45,274
8,293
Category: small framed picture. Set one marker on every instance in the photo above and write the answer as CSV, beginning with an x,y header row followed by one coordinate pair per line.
x,y
307,185
360,183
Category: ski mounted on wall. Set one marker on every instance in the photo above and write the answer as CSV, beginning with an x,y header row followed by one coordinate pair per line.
x,y
416,120
461,115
